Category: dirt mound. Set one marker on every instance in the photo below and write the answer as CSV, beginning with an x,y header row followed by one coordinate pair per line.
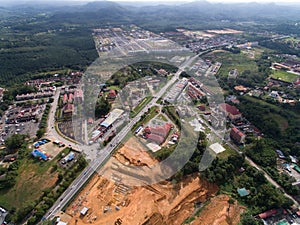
x,y
162,203
220,212
134,153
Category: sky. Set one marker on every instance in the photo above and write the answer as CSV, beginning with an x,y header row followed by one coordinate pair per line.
x,y
163,1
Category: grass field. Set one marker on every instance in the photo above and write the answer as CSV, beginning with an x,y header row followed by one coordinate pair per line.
x,y
230,61
140,106
33,177
283,75
229,151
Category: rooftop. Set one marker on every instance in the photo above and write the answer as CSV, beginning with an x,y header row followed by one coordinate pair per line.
x,y
230,109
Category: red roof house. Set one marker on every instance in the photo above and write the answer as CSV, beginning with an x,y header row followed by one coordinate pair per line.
x,y
70,100
267,214
156,138
231,111
112,94
237,135
65,98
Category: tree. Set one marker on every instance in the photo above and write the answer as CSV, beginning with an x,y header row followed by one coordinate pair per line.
x,y
14,142
102,107
248,219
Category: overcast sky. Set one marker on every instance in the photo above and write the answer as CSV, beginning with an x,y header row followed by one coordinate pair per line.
x,y
159,1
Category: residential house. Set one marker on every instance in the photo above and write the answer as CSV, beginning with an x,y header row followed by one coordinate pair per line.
x,y
231,111
237,136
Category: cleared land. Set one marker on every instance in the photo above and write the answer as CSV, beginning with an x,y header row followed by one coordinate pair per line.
x,y
219,212
162,203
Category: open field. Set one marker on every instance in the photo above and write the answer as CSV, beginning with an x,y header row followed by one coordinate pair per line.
x,y
231,61
33,177
283,75
225,31
51,149
280,120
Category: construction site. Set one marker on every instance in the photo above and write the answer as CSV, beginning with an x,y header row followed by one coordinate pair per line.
x,y
111,201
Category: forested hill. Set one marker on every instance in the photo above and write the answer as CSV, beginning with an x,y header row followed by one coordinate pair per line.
x,y
44,37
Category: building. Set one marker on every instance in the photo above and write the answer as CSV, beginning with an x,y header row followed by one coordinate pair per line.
x,y
274,94
113,116
157,134
155,138
70,100
78,96
175,91
233,74
267,214
84,211
231,111
194,92
240,88
237,135
162,131
280,154
65,99
112,94
68,109
217,148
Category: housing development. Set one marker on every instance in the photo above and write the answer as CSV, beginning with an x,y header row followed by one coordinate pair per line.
x,y
153,123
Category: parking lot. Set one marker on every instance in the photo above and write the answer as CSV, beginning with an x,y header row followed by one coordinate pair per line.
x,y
29,128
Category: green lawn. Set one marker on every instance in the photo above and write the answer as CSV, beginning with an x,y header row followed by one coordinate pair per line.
x,y
162,117
152,113
283,75
229,151
140,106
114,87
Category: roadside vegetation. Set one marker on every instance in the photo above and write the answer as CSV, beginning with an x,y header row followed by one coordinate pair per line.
x,y
29,187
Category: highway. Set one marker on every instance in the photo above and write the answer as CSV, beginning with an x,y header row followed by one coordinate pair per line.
x,y
104,154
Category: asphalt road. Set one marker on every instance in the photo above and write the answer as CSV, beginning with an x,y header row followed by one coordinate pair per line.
x,y
51,131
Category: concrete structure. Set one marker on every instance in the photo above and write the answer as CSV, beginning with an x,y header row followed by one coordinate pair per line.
x,y
176,90
233,74
84,211
113,116
237,135
217,148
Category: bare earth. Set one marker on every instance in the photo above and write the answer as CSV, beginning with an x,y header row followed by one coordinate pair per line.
x,y
158,204
220,212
